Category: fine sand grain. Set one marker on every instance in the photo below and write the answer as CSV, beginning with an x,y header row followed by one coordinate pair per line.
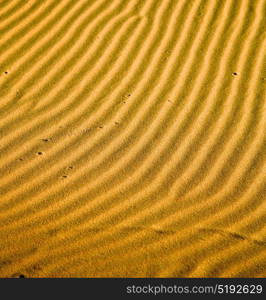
x,y
133,138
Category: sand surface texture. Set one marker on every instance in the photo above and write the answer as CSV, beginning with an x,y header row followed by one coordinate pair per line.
x,y
133,138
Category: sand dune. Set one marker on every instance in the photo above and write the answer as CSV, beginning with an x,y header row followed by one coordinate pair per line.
x,y
132,138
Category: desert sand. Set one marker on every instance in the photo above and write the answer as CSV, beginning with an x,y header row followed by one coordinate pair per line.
x,y
133,138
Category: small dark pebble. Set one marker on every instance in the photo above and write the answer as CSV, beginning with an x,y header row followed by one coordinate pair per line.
x,y
100,126
6,72
235,73
64,176
22,276
45,140
39,153
70,167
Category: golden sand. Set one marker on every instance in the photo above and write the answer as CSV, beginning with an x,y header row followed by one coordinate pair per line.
x,y
133,138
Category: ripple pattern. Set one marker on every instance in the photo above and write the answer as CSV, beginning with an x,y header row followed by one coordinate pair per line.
x,y
133,138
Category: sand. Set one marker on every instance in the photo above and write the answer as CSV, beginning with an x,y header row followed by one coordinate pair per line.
x,y
133,138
